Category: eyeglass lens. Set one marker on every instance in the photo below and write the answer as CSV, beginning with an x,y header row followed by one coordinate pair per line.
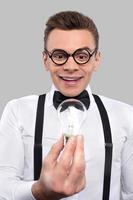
x,y
59,56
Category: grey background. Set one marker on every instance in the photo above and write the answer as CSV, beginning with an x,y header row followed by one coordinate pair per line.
x,y
21,43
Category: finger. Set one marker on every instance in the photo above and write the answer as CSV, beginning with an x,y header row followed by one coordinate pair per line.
x,y
66,156
78,164
79,152
55,151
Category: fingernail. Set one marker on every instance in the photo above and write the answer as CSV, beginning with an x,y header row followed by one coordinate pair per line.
x,y
80,138
71,139
60,139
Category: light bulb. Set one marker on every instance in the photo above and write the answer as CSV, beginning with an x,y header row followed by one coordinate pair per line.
x,y
71,113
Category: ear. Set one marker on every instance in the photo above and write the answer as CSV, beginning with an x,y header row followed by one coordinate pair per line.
x,y
97,61
45,61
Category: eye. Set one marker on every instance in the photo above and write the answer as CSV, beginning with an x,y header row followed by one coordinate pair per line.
x,y
82,56
57,55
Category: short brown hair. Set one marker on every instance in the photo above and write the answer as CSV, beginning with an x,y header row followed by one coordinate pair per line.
x,y
69,20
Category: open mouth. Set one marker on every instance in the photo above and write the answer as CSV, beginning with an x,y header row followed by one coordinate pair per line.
x,y
70,79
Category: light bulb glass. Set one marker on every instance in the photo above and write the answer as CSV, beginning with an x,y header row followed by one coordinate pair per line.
x,y
71,113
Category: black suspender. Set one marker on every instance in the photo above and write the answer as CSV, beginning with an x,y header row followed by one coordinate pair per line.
x,y
108,147
38,137
107,138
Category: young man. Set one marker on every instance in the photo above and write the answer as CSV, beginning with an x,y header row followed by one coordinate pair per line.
x,y
96,165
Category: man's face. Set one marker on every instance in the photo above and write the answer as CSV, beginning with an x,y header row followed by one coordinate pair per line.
x,y
71,78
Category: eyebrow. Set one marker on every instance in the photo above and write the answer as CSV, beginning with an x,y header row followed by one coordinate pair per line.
x,y
84,47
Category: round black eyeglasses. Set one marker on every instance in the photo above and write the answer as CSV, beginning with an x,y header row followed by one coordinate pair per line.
x,y
60,57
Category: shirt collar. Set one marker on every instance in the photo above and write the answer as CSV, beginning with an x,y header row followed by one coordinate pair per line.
x,y
50,94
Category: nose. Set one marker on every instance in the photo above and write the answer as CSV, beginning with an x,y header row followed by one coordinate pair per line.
x,y
71,65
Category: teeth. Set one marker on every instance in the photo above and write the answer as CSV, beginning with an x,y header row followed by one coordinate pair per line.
x,y
70,78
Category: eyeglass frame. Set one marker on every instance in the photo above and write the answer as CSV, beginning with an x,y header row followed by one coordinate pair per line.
x,y
69,55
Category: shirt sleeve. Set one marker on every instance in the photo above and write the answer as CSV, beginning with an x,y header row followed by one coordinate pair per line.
x,y
127,164
12,186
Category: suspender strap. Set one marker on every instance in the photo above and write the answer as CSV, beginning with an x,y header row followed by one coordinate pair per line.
x,y
108,147
38,137
107,138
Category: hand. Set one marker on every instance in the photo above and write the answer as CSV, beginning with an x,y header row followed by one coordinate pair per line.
x,y
63,171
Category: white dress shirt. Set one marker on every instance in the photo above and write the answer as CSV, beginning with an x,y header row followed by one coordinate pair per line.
x,y
17,139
